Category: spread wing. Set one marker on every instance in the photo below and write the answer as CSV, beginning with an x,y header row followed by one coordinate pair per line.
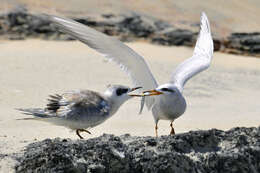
x,y
200,59
129,60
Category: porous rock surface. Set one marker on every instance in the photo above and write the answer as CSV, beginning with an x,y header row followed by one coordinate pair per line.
x,y
215,151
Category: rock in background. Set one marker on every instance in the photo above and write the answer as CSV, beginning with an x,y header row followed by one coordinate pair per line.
x,y
244,43
19,24
216,151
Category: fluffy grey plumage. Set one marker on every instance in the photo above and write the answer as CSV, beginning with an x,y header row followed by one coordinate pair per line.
x,y
81,109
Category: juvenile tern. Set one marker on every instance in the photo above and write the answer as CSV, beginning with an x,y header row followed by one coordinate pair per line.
x,y
82,109
170,104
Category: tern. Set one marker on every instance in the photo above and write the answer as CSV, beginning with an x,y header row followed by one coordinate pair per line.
x,y
81,109
170,102
165,101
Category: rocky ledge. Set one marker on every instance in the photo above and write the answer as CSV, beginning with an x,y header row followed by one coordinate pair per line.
x,y
236,150
20,24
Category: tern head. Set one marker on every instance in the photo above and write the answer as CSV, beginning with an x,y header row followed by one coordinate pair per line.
x,y
165,89
119,93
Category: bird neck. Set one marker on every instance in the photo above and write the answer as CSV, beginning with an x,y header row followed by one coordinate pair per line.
x,y
179,86
114,102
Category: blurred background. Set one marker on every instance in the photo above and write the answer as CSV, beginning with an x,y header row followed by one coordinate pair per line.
x,y
226,16
234,24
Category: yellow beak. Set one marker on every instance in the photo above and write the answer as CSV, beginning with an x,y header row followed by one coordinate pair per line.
x,y
146,93
151,93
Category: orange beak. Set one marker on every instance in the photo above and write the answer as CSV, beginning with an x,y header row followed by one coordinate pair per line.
x,y
151,93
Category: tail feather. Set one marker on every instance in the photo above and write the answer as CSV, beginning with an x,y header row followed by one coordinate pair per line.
x,y
36,112
54,103
41,115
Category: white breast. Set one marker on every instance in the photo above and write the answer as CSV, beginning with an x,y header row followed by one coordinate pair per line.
x,y
169,108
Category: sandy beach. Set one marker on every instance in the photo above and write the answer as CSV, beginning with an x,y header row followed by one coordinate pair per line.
x,y
224,96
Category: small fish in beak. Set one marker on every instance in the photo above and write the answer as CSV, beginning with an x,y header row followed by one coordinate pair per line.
x,y
142,105
147,93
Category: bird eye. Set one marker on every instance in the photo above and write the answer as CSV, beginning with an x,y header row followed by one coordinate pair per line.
x,y
121,91
167,89
164,89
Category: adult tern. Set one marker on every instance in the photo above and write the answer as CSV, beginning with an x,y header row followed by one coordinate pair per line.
x,y
170,103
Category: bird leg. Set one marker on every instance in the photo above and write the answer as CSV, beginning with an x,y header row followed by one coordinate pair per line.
x,y
172,129
156,130
81,130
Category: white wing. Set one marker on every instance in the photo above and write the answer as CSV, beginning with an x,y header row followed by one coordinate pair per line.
x,y
200,59
129,60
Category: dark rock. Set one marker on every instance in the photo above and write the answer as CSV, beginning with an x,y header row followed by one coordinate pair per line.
x,y
244,43
19,24
216,151
132,25
217,44
173,36
140,26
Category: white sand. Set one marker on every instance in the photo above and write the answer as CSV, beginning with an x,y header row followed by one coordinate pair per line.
x,y
225,96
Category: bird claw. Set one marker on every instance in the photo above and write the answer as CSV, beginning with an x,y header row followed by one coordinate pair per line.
x,y
81,130
172,130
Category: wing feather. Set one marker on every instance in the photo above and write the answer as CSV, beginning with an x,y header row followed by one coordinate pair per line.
x,y
129,61
200,59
